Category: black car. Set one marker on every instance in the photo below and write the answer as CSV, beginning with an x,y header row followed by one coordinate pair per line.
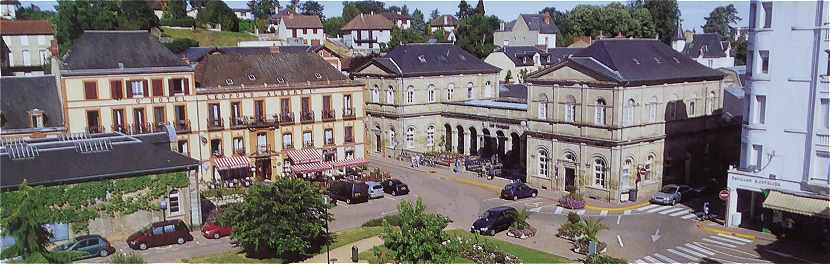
x,y
518,190
494,220
394,187
349,192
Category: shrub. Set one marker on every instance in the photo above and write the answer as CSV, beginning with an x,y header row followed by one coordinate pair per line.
x,y
178,22
581,246
569,231
573,218
130,258
394,220
181,44
482,251
604,259
521,220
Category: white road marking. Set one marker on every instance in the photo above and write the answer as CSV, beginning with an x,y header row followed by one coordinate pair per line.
x,y
681,212
650,259
727,240
689,216
603,213
666,259
580,212
619,239
646,207
735,238
618,219
536,210
627,212
691,251
719,243
558,210
658,209
638,261
683,254
707,252
490,199
671,210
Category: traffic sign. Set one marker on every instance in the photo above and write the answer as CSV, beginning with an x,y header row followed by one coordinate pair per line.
x,y
724,195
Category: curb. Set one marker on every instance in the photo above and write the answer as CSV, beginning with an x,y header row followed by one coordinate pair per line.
x,y
719,230
616,209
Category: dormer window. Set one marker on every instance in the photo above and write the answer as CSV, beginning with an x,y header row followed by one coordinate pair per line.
x,y
251,77
280,80
318,75
228,82
38,118
422,58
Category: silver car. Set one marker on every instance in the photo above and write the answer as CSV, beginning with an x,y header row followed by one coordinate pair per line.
x,y
671,194
375,190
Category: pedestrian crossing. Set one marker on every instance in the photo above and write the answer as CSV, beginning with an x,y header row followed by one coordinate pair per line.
x,y
673,211
696,251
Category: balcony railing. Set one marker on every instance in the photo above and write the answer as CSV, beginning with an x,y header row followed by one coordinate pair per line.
x,y
182,126
348,113
215,124
120,128
306,117
95,129
308,144
259,122
329,141
140,128
286,118
237,122
328,115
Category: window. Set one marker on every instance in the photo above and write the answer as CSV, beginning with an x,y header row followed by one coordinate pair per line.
x,y
570,109
649,167
375,94
157,231
469,90
711,101
450,90
628,114
764,61
599,173
392,142
93,122
543,110
487,90
116,89
431,136
173,203
652,110
692,108
410,94
216,146
767,14
825,112
178,86
137,88
757,156
44,57
348,136
759,111
181,114
390,95
308,140
262,141
27,58
90,90
626,174
543,164
286,141
181,147
37,118
431,93
410,137
599,115
157,87
347,103
238,146
328,136
118,117
138,118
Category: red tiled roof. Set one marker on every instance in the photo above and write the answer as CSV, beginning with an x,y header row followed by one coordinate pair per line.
x,y
368,22
25,27
301,21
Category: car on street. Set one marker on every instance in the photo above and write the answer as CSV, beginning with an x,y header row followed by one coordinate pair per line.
x,y
88,246
160,234
395,187
349,192
494,220
375,190
672,194
518,190
213,230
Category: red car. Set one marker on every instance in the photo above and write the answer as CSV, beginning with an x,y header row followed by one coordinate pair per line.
x,y
215,231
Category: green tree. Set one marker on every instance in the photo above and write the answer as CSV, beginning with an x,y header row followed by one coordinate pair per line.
x,y
263,9
197,4
332,25
665,15
475,34
285,219
404,36
479,11
435,13
719,20
350,10
418,23
312,8
33,12
464,10
181,44
421,236
508,77
591,228
136,15
440,35
73,17
643,24
175,9
739,46
217,12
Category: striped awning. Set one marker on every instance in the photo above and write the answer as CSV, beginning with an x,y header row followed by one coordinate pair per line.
x,y
232,162
310,167
349,163
798,204
302,156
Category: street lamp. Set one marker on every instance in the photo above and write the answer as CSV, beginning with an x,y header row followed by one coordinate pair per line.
x,y
325,204
163,206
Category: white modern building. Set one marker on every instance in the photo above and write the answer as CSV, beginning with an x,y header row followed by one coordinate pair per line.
x,y
782,177
707,48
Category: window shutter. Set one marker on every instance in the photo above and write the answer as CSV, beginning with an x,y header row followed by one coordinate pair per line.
x,y
90,90
115,89
129,87
146,87
170,87
158,89
186,86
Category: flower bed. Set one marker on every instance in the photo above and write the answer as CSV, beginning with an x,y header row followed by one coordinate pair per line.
x,y
481,252
521,233
571,202
581,246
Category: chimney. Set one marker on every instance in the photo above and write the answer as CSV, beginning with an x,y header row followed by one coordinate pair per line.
x,y
547,18
275,49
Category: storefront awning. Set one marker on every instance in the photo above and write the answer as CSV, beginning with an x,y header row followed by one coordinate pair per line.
x,y
798,204
232,162
310,167
302,156
349,163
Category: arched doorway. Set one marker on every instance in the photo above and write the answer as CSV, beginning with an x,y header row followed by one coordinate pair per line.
x,y
378,139
473,141
501,146
447,138
460,143
488,148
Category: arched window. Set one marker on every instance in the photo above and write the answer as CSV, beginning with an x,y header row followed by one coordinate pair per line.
x,y
430,135
543,110
628,114
469,90
652,110
410,94
692,108
712,100
390,95
375,94
570,157
173,201
599,115
570,109
392,142
488,91
543,163
599,173
649,167
410,137
450,91
626,173
431,93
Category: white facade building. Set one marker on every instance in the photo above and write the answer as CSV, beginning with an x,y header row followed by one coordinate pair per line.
x,y
783,173
8,9
367,33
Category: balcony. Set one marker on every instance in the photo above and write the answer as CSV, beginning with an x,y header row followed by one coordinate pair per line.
x,y
139,128
215,124
348,114
329,141
308,144
182,126
259,122
306,117
263,151
237,122
95,129
822,140
286,118
348,139
120,128
328,115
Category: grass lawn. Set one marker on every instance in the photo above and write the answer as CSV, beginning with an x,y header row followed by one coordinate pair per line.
x,y
527,255
229,257
368,256
208,38
349,236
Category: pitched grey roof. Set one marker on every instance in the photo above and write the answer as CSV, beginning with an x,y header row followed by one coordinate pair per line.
x,y
536,22
708,44
59,162
216,69
113,50
558,55
196,54
521,55
431,59
19,95
632,62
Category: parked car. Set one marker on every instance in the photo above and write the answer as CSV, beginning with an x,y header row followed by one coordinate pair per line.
x,y
349,192
215,231
88,245
494,220
160,234
395,187
375,190
518,190
672,194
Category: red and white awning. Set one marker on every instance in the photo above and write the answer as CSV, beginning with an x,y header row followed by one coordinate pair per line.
x,y
232,162
310,167
302,156
349,163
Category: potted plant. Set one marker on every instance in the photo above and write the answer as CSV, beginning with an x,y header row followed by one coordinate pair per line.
x,y
520,228
591,229
571,230
573,200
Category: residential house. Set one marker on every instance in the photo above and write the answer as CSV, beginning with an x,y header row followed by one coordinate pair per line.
x,y
29,45
243,13
30,107
528,30
8,9
709,50
519,61
400,20
367,33
295,28
446,23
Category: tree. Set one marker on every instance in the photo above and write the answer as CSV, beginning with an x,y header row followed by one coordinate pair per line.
x,y
73,17
464,10
418,23
312,8
405,36
508,77
644,24
217,12
332,25
285,219
435,13
719,20
181,44
479,8
175,9
421,237
33,12
665,15
739,46
197,4
591,228
350,10
263,9
137,15
475,34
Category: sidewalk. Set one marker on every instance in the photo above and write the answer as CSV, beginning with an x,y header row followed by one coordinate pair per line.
x,y
344,254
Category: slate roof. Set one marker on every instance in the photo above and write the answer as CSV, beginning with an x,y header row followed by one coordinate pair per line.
x,y
709,44
301,21
558,55
633,62
196,54
439,21
215,69
536,22
25,27
19,95
58,162
431,59
518,53
364,21
98,50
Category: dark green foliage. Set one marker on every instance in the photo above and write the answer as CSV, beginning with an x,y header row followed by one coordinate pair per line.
x,y
665,15
508,77
719,20
521,220
180,45
475,34
332,25
286,219
178,22
137,15
394,220
405,36
175,9
262,9
312,8
479,11
464,10
739,46
418,23
33,12
217,12
247,25
131,258
421,236
75,16
604,259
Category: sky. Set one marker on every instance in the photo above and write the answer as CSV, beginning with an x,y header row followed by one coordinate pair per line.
x,y
693,13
